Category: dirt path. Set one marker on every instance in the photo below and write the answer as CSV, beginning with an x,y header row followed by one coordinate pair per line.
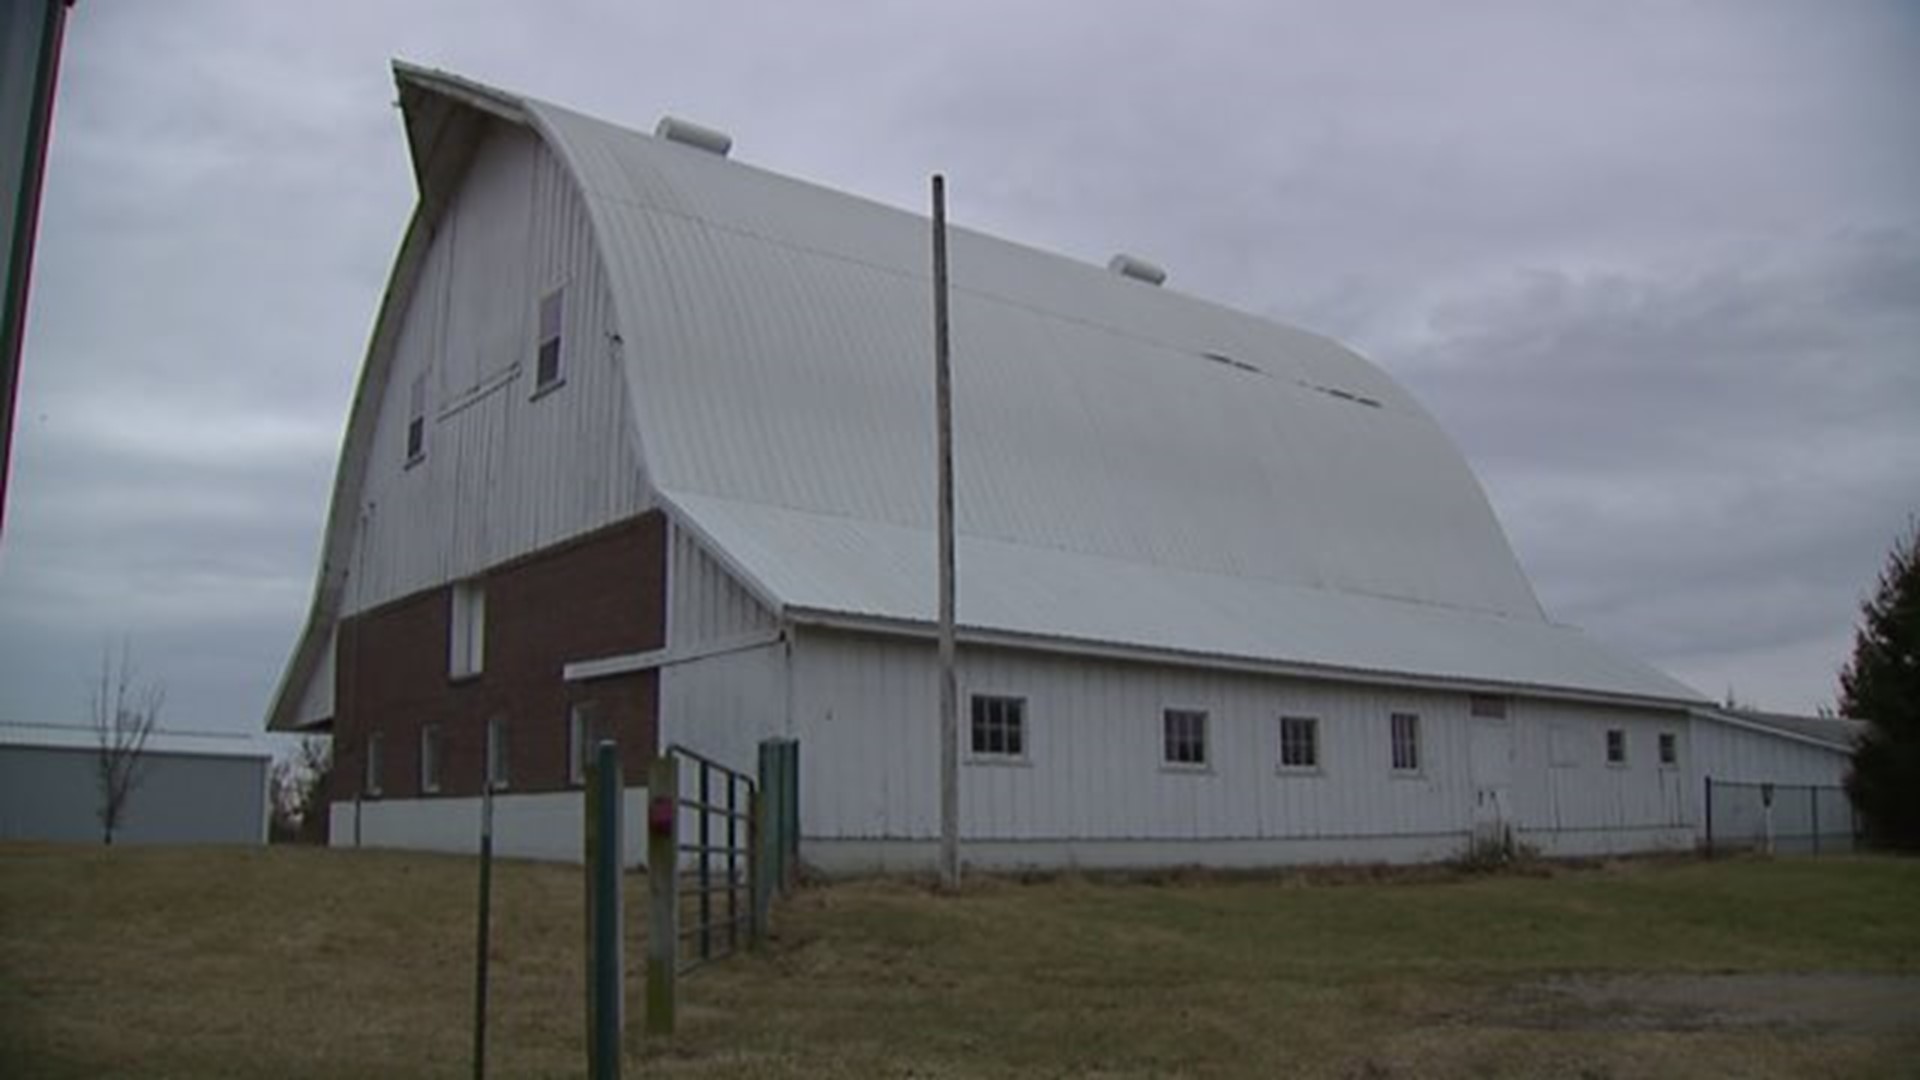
x,y
1814,1001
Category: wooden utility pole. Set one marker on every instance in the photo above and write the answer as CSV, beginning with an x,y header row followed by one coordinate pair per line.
x,y
949,688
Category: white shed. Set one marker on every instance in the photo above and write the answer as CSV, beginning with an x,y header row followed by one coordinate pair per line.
x,y
1772,776
193,788
643,447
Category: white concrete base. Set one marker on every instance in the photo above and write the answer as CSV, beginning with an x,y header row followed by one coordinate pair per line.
x,y
544,826
840,857
1590,843
850,856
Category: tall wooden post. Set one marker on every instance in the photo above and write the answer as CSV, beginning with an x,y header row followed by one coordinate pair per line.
x,y
663,887
949,687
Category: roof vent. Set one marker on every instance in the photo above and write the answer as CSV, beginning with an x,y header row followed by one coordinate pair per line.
x,y
674,129
1136,268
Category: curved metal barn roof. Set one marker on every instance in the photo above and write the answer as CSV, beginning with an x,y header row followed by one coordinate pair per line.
x,y
1134,467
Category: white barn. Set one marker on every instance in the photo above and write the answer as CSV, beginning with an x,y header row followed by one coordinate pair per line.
x,y
643,446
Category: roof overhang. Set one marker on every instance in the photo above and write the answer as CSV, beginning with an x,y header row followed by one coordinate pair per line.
x,y
1105,650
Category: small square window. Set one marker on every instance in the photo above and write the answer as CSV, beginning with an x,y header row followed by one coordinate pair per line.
x,y
1488,706
546,363
583,734
1184,737
1299,742
430,758
497,751
1406,742
370,783
467,630
1669,748
999,726
1616,746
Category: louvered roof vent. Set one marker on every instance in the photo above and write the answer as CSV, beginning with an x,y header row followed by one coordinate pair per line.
x,y
674,129
1136,268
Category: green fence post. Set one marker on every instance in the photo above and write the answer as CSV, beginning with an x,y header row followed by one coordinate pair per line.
x,y
790,816
663,921
605,854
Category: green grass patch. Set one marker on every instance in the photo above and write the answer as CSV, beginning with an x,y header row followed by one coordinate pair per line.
x,y
299,962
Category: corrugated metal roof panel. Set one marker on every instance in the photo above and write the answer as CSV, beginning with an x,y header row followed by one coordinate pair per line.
x,y
862,568
782,353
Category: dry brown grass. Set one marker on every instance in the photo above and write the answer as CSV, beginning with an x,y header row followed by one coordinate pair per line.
x,y
316,963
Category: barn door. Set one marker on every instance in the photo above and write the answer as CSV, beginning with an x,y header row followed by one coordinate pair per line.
x,y
1492,764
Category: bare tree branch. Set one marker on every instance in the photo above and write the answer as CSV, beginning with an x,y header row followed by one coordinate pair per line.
x,y
124,713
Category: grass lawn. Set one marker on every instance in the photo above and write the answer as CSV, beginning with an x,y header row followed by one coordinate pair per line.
x,y
303,962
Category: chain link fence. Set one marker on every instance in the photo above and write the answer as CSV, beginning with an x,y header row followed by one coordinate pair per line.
x,y
1785,819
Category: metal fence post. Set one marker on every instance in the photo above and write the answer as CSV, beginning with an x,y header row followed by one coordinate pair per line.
x,y
1813,803
663,922
1709,817
484,921
604,793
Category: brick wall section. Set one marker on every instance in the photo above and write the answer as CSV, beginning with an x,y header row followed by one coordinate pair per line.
x,y
600,595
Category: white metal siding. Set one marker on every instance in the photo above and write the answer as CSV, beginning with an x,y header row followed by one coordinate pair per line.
x,y
722,706
865,711
1586,794
705,603
505,472
1730,753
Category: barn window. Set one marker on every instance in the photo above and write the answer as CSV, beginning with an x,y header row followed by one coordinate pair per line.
x,y
370,783
1184,737
497,751
1616,746
417,421
583,734
1669,748
546,355
467,630
1299,742
430,758
1406,742
999,726
1489,706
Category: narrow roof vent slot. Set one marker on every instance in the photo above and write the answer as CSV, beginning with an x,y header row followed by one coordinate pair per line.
x,y
674,129
1136,268
1223,358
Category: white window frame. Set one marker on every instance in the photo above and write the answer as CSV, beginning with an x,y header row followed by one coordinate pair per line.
x,y
1316,759
1198,739
370,780
1011,723
467,629
497,763
550,331
430,755
1413,761
583,726
1618,761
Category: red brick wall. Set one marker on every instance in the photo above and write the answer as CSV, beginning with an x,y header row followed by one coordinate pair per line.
x,y
603,594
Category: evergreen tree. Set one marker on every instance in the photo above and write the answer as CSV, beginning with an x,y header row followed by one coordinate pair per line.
x,y
1881,685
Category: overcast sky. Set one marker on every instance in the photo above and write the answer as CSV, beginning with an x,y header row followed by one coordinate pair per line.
x,y
1655,267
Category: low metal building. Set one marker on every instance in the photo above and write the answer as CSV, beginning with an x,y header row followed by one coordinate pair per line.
x,y
192,788
1772,779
